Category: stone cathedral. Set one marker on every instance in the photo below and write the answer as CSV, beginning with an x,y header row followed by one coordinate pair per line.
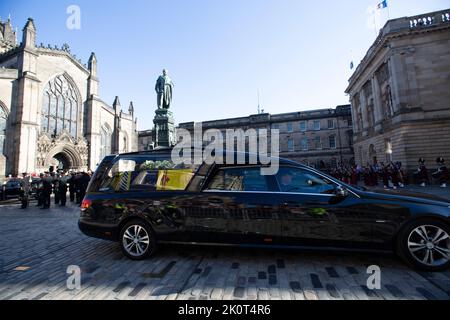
x,y
50,110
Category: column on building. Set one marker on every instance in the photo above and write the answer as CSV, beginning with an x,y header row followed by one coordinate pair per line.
x,y
364,111
26,119
376,93
94,106
117,125
398,81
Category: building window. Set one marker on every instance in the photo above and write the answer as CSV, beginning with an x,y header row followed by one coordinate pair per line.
x,y
303,126
290,143
60,107
317,125
105,142
275,127
3,119
304,144
331,124
332,142
290,128
318,143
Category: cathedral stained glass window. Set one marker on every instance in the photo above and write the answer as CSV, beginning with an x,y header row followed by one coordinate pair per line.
x,y
60,107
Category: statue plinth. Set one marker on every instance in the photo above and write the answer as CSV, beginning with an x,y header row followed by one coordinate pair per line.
x,y
164,133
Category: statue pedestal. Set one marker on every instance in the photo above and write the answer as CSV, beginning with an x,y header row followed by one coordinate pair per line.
x,y
164,122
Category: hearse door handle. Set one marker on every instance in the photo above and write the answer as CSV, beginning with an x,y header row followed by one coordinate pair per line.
x,y
290,203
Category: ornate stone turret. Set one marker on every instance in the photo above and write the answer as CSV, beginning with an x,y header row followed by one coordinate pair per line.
x,y
93,80
7,33
131,108
92,65
29,35
116,105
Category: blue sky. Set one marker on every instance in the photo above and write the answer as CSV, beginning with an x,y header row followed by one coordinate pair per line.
x,y
218,52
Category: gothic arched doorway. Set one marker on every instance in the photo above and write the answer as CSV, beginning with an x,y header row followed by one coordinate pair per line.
x,y
63,157
61,161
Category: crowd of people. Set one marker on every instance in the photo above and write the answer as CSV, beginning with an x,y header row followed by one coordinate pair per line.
x,y
58,183
391,175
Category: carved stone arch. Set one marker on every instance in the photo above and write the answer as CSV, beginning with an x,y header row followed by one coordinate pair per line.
x,y
107,127
69,153
4,108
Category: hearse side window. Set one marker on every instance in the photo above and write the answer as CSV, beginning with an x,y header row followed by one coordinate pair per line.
x,y
238,179
146,174
298,180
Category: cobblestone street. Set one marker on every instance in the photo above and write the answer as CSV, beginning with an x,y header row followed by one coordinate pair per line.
x,y
37,246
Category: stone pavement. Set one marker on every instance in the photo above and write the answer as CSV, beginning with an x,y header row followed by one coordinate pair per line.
x,y
37,246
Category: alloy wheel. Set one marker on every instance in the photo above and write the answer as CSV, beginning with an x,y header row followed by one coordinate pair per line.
x,y
429,245
136,240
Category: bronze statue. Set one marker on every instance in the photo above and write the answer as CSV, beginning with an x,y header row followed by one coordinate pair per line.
x,y
164,90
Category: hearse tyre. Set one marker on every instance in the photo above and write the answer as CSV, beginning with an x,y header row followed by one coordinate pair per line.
x,y
137,240
424,244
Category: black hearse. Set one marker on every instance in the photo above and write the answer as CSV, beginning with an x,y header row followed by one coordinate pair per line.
x,y
142,199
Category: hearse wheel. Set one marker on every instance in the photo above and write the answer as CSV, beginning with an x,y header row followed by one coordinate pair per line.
x,y
137,240
425,244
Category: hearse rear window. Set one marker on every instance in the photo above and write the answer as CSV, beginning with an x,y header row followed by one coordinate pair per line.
x,y
143,173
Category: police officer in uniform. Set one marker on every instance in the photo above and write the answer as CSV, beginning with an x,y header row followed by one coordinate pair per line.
x,y
72,188
40,190
25,185
62,190
46,190
55,184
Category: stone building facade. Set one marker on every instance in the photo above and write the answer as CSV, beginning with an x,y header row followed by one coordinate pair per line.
x,y
400,93
320,138
50,110
146,140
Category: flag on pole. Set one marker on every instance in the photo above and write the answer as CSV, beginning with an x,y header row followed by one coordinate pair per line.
x,y
382,5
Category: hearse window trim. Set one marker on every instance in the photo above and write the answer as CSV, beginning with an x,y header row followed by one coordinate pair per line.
x,y
270,192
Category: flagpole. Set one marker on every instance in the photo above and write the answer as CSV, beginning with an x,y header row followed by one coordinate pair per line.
x,y
389,10
375,21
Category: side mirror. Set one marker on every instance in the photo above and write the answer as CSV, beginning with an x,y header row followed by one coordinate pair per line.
x,y
341,192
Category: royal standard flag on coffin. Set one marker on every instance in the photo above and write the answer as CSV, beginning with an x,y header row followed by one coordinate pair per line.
x,y
173,180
